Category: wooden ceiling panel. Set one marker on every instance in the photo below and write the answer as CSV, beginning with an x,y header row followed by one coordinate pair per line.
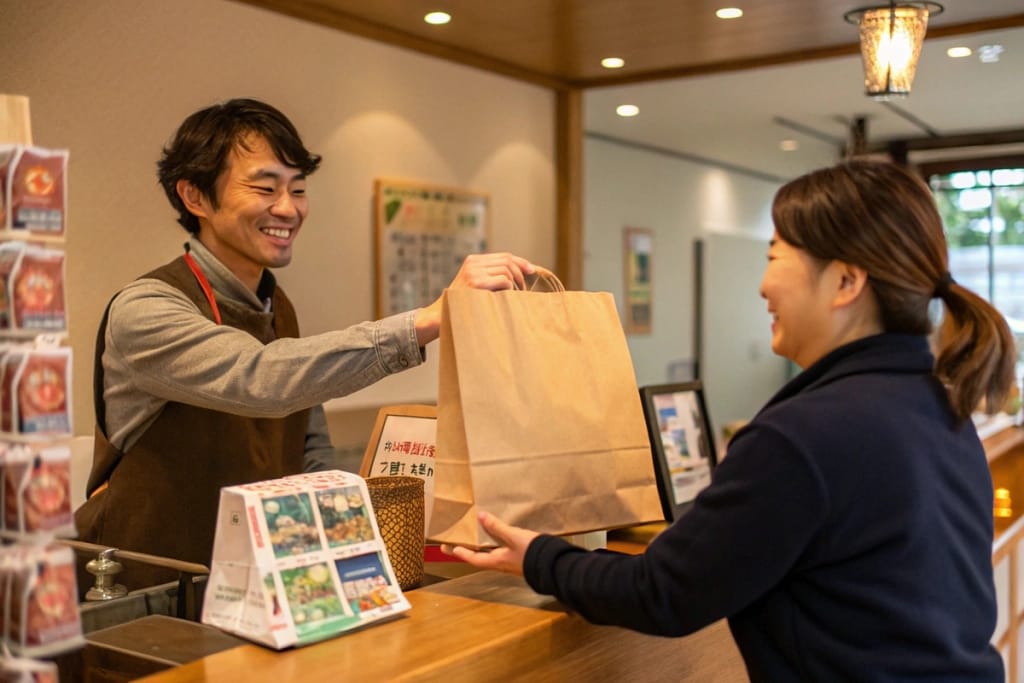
x,y
561,42
785,60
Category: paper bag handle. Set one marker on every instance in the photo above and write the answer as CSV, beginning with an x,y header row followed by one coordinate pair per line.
x,y
543,280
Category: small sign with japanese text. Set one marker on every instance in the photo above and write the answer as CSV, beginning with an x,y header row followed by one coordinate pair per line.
x,y
403,444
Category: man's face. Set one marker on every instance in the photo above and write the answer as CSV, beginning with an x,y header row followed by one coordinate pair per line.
x,y
261,206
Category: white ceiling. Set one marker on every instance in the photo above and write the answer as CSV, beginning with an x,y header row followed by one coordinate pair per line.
x,y
733,118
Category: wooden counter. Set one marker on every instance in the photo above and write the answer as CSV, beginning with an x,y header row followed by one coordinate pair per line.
x,y
484,626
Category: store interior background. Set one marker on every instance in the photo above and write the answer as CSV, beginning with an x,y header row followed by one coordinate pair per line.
x,y
111,79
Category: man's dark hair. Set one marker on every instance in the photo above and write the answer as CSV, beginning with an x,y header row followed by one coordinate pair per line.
x,y
199,151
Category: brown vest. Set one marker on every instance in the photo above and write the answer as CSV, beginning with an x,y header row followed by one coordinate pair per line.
x,y
162,494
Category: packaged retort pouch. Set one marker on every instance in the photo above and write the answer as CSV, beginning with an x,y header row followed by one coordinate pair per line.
x,y
37,290
38,191
20,670
8,155
17,464
10,558
42,402
10,254
5,448
37,491
43,619
10,361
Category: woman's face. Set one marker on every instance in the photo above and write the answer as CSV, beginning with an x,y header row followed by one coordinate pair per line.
x,y
796,287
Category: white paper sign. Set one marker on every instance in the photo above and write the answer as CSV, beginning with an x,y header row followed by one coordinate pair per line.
x,y
403,444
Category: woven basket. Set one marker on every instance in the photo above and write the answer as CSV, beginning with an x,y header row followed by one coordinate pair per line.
x,y
398,506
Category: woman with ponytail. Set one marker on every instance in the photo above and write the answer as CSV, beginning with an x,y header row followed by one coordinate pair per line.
x,y
847,534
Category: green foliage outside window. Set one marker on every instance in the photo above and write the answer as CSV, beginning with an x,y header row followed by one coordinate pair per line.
x,y
967,228
983,213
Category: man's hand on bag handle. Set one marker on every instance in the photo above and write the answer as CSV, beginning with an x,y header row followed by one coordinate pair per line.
x,y
507,558
479,271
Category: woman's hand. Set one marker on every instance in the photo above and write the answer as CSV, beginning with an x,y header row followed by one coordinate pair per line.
x,y
507,558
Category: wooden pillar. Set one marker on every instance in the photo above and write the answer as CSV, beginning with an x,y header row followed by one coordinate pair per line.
x,y
899,153
569,182
15,123
857,141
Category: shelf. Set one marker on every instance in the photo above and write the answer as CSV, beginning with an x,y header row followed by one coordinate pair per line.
x,y
32,237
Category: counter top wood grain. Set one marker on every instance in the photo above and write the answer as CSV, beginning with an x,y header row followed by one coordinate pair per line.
x,y
483,626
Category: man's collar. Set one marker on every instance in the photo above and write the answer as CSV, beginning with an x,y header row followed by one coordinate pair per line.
x,y
224,281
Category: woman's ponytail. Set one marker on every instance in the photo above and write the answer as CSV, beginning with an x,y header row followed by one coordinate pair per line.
x,y
975,354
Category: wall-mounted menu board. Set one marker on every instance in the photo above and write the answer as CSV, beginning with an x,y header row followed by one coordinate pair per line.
x,y
423,233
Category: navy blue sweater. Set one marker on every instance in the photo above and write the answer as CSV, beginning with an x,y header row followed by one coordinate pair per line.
x,y
846,535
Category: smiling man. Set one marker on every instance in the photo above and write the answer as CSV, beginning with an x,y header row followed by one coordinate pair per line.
x,y
202,380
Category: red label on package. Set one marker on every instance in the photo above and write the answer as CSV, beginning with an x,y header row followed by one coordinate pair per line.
x,y
42,394
37,191
38,291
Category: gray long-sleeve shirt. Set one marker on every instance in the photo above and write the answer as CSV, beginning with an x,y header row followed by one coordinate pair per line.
x,y
160,348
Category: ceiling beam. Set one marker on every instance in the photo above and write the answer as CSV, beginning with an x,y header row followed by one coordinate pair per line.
x,y
332,18
980,26
827,52
999,137
310,10
986,163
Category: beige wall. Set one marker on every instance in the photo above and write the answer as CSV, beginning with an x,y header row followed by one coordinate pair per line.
x,y
111,79
681,201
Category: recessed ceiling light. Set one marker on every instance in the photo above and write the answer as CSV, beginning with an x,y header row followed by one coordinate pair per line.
x,y
990,53
957,52
729,13
789,145
613,62
437,18
627,110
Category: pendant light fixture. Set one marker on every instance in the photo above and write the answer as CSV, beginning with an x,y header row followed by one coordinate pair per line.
x,y
890,44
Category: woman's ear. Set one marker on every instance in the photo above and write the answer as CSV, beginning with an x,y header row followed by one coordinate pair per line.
x,y
193,199
852,283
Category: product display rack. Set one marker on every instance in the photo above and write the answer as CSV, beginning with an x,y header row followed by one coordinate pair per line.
x,y
39,613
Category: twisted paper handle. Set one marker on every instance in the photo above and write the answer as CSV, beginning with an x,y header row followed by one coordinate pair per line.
x,y
543,280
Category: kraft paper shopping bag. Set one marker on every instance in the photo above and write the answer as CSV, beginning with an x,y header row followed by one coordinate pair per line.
x,y
539,418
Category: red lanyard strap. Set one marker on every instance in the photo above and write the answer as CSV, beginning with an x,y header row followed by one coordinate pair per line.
x,y
203,282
